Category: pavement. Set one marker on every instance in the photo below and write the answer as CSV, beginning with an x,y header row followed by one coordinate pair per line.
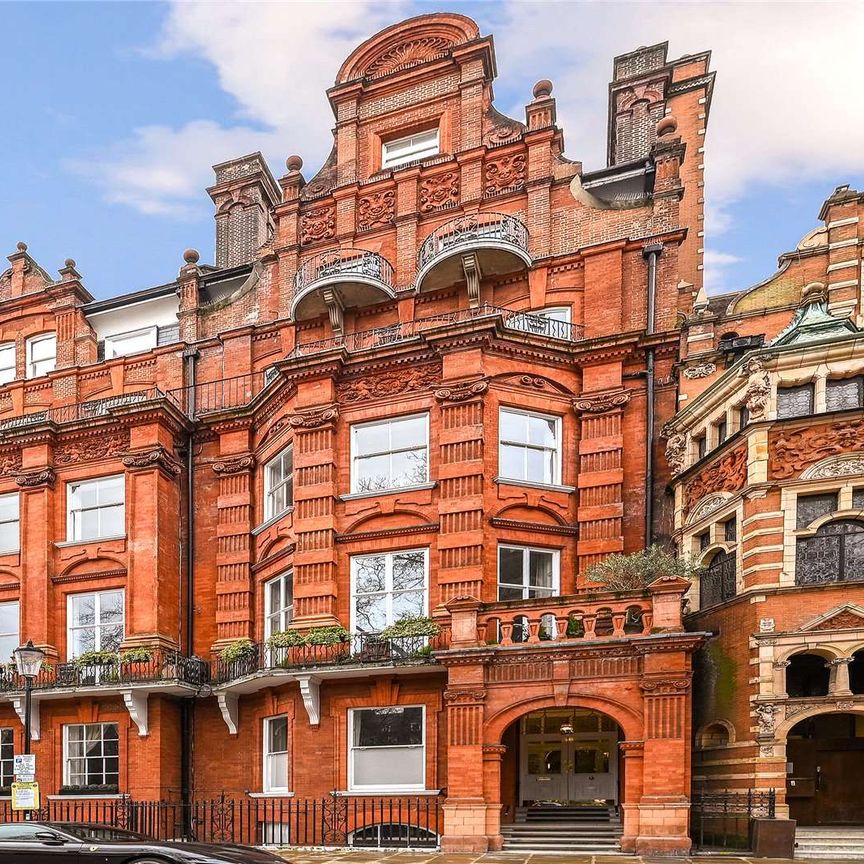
x,y
371,856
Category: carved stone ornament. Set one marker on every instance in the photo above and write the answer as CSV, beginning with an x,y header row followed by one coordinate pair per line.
x,y
504,173
758,388
318,224
391,384
766,625
44,477
666,687
90,449
439,191
676,452
703,370
846,465
728,474
790,452
844,620
706,506
158,457
408,54
376,209
597,403
235,465
464,697
10,462
765,714
462,392
313,419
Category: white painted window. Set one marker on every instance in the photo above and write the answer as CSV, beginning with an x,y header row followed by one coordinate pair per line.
x,y
132,342
7,362
94,622
10,523
387,749
554,321
529,446
96,508
388,587
410,148
390,454
91,754
7,754
41,354
276,754
525,573
278,604
9,626
279,484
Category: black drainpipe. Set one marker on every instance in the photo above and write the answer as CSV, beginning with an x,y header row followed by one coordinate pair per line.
x,y
651,253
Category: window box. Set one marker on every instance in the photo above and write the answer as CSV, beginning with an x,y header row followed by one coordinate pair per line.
x,y
95,790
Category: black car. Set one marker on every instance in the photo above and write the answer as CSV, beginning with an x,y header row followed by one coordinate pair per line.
x,y
83,843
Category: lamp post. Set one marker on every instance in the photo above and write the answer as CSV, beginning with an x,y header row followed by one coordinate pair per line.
x,y
28,659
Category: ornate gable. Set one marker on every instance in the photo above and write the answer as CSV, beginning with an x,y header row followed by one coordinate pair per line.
x,y
846,617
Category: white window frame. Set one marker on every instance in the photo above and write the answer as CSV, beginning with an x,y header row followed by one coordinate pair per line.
x,y
111,341
413,147
16,634
16,521
31,363
388,581
285,612
67,778
352,787
7,760
270,488
556,468
268,757
526,570
7,352
355,456
97,624
72,524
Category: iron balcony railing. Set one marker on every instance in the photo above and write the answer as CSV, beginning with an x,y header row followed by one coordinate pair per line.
x,y
154,666
472,230
359,649
342,265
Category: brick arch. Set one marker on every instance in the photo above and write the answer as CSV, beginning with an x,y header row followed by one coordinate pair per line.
x,y
783,729
630,720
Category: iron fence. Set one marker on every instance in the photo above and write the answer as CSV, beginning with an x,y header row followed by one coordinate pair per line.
x,y
411,822
723,820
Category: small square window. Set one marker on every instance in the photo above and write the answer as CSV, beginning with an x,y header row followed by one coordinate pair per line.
x,y
91,755
794,401
812,507
421,145
525,573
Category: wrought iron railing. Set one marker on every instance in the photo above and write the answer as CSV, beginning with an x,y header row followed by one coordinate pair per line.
x,y
401,821
359,649
472,229
342,264
718,581
722,820
151,666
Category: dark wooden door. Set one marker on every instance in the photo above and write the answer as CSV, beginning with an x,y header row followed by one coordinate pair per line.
x,y
826,786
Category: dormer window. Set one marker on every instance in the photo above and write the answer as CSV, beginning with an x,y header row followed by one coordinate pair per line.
x,y
410,148
41,355
132,342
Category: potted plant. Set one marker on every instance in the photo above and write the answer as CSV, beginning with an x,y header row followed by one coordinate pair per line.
x,y
279,646
419,626
93,667
326,642
635,571
239,649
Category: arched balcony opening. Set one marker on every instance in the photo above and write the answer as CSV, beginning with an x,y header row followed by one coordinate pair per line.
x,y
470,248
807,675
856,673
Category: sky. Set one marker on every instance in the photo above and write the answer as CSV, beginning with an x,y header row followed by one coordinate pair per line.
x,y
115,112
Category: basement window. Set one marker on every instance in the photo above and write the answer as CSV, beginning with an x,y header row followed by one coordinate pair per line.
x,y
410,148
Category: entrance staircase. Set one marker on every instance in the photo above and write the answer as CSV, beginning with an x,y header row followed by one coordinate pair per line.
x,y
834,842
576,829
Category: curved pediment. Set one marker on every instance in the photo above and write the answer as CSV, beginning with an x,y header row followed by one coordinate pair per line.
x,y
93,568
530,514
408,521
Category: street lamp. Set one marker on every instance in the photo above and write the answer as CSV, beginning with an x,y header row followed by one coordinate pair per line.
x,y
28,659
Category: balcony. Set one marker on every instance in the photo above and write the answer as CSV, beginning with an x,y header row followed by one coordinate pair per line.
x,y
471,247
337,280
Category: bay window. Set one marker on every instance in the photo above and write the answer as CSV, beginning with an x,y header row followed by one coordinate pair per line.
x,y
525,573
95,622
387,749
91,755
279,484
390,454
529,447
276,754
96,508
41,354
386,588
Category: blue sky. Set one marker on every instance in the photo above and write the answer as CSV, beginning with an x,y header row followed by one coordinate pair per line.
x,y
114,113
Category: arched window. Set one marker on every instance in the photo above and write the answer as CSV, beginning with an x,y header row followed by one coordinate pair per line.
x,y
714,735
835,553
717,582
807,675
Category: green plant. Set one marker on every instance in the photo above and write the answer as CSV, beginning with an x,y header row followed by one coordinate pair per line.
x,y
327,635
136,655
637,570
425,651
239,649
96,658
419,626
286,639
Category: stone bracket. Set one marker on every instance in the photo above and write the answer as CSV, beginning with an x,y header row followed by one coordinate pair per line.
x,y
18,707
334,310
310,690
229,704
471,268
136,705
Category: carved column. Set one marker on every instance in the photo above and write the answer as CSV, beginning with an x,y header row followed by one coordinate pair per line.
x,y
779,682
632,757
839,681
460,541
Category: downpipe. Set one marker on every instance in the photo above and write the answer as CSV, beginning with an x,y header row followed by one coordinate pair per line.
x,y
651,253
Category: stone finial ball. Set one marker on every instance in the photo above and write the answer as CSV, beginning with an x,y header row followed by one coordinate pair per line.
x,y
542,89
69,262
21,246
191,256
667,126
293,163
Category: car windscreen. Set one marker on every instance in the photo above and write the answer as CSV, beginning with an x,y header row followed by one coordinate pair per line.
x,y
99,833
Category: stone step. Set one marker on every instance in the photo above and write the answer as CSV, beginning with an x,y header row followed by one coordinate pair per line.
x,y
833,856
548,826
830,843
566,848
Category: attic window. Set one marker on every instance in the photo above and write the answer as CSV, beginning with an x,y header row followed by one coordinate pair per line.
x,y
410,149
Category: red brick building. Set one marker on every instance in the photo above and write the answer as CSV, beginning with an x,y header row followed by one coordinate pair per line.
x,y
427,383
769,496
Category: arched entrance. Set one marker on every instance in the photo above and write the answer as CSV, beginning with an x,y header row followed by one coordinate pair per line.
x,y
825,765
560,756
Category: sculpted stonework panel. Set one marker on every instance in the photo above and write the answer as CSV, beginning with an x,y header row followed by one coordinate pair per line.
x,y
439,191
318,224
390,384
87,449
504,173
728,474
376,209
408,54
791,451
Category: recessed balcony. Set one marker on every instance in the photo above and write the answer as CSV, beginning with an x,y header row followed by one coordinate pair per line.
x,y
471,247
340,279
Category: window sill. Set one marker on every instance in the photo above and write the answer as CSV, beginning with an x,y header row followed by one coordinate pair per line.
x,y
353,496
431,793
271,794
64,543
551,487
271,521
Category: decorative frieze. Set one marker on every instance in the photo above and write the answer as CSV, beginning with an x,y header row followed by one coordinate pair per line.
x,y
703,370
318,224
728,473
791,451
372,387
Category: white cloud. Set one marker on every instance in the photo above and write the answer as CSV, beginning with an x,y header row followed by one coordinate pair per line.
x,y
716,263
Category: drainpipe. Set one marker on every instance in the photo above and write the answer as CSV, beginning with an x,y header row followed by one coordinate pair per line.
x,y
651,253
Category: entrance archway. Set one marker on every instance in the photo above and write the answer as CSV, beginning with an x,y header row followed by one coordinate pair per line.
x,y
825,764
